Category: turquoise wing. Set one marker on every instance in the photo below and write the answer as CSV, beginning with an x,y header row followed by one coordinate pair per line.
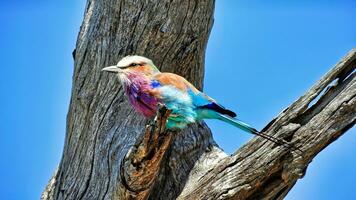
x,y
207,106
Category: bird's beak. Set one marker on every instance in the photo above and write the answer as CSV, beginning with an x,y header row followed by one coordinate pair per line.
x,y
112,69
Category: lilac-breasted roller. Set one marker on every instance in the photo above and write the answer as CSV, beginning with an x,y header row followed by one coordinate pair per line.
x,y
146,87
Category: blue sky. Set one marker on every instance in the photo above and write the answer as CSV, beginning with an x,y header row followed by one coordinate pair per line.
x,y
278,50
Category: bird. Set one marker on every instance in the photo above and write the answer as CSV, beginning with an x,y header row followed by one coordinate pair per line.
x,y
146,88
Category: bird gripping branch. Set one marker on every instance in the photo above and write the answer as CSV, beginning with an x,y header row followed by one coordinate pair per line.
x,y
146,87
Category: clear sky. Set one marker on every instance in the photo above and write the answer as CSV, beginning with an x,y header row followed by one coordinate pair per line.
x,y
260,58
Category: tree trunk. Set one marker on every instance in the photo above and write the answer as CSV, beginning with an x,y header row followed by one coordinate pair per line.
x,y
108,153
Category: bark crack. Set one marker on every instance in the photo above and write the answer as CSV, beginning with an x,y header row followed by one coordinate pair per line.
x,y
178,36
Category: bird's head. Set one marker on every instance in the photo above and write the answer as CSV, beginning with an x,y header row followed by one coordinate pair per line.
x,y
133,65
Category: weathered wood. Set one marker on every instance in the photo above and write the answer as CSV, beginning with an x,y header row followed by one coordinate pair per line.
x,y
262,170
102,127
142,163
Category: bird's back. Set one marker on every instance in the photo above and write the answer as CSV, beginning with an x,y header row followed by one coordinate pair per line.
x,y
173,91
174,80
187,103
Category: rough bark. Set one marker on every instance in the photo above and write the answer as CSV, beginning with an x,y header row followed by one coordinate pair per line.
x,y
262,170
142,163
102,127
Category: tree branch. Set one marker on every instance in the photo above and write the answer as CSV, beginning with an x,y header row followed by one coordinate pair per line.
x,y
102,127
141,164
262,170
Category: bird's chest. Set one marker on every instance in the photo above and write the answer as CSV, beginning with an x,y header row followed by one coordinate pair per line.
x,y
141,98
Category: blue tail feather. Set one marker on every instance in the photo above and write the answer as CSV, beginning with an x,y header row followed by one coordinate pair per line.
x,y
243,126
237,123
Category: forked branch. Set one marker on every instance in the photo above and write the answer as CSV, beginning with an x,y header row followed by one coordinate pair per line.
x,y
262,170
141,164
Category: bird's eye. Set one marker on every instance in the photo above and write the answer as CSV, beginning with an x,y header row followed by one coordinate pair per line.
x,y
133,64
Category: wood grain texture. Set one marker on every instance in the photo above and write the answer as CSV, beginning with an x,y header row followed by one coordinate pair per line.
x,y
102,127
262,170
142,163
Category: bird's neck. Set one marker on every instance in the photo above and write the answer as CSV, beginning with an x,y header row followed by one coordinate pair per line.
x,y
137,88
135,81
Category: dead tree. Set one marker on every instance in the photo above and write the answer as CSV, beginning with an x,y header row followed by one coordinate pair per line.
x,y
110,154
